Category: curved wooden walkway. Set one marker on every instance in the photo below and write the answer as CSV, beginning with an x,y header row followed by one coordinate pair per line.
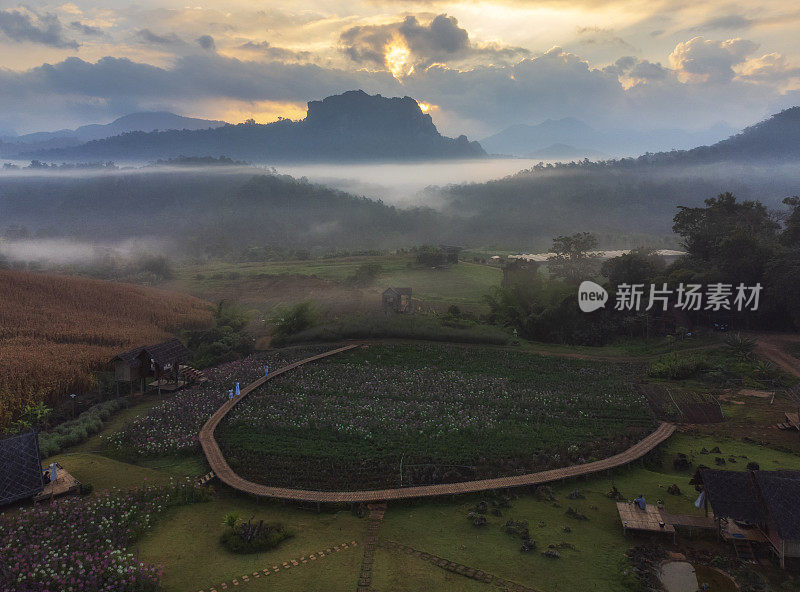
x,y
225,474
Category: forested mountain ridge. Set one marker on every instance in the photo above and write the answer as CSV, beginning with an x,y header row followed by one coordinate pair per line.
x,y
634,194
353,126
775,139
208,212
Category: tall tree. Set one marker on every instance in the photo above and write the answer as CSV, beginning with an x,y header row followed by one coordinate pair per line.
x,y
575,257
640,266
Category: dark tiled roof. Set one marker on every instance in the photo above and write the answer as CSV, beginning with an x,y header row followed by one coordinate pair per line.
x,y
20,467
733,494
166,352
781,493
131,356
401,291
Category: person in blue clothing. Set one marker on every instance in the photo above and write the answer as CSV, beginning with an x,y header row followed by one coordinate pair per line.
x,y
640,502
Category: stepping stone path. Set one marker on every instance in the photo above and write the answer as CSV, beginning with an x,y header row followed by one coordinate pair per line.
x,y
463,570
274,569
376,512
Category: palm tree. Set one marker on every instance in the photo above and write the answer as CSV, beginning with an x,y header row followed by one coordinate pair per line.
x,y
231,520
742,346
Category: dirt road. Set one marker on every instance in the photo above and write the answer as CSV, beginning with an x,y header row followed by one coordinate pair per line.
x,y
772,347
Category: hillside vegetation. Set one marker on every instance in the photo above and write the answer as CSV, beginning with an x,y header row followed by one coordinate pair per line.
x,y
55,330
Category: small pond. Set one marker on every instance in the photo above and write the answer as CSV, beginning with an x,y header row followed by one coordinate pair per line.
x,y
682,576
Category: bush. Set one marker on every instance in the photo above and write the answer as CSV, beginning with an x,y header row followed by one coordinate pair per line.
x,y
365,275
75,431
226,341
517,528
425,327
675,366
741,346
430,256
254,538
293,320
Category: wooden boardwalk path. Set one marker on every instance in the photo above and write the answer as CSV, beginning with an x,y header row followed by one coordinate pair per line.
x,y
225,474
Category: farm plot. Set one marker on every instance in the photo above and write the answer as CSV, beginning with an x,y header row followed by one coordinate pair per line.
x,y
56,330
405,415
172,427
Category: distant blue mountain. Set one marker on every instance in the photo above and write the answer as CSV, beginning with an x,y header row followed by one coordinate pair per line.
x,y
135,122
530,140
146,121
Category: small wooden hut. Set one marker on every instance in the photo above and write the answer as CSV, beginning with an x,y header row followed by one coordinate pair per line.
x,y
396,299
160,361
765,501
780,491
451,253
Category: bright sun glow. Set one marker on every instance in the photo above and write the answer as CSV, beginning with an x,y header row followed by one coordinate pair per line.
x,y
427,107
396,56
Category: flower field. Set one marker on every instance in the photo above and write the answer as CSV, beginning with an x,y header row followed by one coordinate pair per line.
x,y
82,544
390,415
172,427
56,330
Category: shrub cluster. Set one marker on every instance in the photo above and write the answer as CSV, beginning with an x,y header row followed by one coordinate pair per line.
x,y
674,366
429,328
78,430
254,538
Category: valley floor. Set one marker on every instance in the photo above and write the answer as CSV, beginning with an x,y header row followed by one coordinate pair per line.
x,y
592,551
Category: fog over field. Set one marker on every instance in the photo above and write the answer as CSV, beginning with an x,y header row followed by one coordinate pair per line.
x,y
395,183
70,217
400,183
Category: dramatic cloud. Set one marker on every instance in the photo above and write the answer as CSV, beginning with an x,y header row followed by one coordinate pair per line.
x,y
558,83
631,71
78,90
482,66
772,68
702,59
408,44
35,28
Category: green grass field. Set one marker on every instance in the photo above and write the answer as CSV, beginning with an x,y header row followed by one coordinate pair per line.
x,y
443,528
464,284
186,542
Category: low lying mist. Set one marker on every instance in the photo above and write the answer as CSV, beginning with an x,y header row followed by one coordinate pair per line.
x,y
140,259
91,218
400,184
403,184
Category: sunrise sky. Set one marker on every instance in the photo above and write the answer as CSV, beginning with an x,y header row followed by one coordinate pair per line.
x,y
479,66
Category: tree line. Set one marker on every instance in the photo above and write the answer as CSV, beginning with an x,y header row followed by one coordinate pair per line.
x,y
729,245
